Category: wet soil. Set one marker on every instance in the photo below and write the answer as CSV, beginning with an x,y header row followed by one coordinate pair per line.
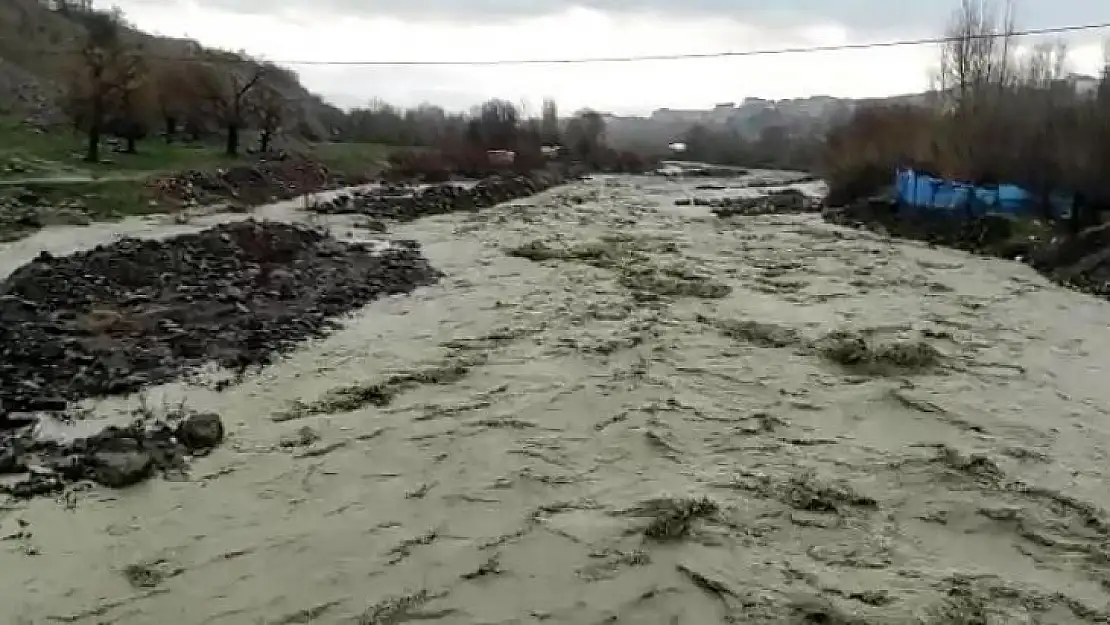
x,y
138,312
401,202
615,410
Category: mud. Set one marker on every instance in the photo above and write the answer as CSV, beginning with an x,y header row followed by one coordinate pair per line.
x,y
777,202
616,410
404,203
140,312
249,185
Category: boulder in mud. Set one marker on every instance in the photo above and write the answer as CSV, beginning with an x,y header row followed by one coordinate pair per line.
x,y
200,431
114,456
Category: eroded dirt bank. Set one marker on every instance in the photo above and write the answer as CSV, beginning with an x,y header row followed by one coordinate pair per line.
x,y
616,410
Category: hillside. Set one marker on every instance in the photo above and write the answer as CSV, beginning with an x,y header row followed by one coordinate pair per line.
x,y
38,38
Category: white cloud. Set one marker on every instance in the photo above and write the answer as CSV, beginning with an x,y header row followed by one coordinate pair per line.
x,y
292,35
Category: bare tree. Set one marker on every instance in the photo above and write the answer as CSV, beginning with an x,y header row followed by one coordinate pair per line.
x,y
976,70
585,135
177,97
549,122
495,125
227,93
104,80
268,108
977,54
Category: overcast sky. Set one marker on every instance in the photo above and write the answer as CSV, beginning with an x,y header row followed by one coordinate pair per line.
x,y
437,30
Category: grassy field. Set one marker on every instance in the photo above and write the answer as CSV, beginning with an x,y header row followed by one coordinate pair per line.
x,y
350,158
49,166
27,153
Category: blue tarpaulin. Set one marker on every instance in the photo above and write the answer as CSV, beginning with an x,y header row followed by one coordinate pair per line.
x,y
918,192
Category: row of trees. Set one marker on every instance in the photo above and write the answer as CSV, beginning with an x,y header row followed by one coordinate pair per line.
x,y
776,147
997,113
494,125
114,87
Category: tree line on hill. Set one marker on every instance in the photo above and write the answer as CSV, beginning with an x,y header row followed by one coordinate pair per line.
x,y
115,87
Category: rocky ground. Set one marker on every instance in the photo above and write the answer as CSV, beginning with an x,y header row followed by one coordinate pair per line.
x,y
782,201
122,316
401,202
612,409
248,185
23,211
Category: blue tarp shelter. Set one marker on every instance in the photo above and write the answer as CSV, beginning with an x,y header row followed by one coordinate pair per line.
x,y
918,192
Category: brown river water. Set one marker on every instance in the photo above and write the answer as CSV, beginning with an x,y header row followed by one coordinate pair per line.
x,y
638,430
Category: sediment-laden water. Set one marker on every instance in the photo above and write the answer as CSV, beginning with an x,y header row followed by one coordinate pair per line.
x,y
617,410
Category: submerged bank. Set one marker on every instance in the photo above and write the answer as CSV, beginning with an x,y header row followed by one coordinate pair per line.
x,y
615,409
1079,260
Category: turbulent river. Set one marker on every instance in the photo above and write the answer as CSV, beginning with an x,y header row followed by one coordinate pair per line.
x,y
614,410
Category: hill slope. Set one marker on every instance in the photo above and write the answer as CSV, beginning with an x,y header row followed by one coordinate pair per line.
x,y
37,38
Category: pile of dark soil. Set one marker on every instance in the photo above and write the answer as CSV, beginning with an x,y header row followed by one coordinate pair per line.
x,y
403,203
138,312
777,202
990,235
249,185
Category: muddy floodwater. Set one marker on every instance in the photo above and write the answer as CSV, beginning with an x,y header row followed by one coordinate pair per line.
x,y
618,410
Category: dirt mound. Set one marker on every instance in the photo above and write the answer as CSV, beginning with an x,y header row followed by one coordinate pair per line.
x,y
259,183
404,203
776,202
136,312
993,235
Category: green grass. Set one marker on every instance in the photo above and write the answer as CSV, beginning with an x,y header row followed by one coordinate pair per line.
x,y
351,158
50,166
28,153
101,200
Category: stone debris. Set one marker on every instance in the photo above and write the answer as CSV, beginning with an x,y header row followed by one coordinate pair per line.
x,y
119,317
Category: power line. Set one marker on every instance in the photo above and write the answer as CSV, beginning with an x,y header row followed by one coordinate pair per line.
x,y
899,43
727,54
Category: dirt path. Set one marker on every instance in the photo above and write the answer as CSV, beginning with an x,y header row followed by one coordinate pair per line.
x,y
641,429
63,180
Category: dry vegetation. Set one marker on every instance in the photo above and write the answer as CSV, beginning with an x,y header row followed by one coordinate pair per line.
x,y
999,113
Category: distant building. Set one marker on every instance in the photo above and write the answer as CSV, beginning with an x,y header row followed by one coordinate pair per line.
x,y
1083,84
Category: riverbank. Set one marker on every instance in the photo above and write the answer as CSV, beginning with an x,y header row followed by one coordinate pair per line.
x,y
1076,260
